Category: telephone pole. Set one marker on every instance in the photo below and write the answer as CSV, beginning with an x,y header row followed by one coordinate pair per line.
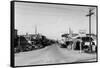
x,y
35,29
89,15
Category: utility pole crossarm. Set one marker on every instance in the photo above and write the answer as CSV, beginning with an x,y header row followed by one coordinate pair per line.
x,y
90,13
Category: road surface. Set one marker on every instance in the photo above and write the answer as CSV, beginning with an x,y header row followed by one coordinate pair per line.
x,y
51,55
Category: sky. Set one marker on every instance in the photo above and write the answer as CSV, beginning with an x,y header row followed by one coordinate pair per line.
x,y
52,20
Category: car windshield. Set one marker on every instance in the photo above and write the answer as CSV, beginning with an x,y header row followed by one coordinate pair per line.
x,y
86,39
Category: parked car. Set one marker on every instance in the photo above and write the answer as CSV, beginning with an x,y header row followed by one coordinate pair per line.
x,y
88,44
23,45
41,41
62,43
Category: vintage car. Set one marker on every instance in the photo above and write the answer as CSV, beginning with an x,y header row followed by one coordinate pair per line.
x,y
88,44
65,43
40,41
22,45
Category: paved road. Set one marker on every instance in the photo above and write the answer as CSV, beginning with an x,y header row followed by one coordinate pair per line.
x,y
51,55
